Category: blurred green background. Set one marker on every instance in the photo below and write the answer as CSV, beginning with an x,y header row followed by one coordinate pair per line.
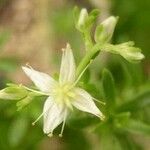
x,y
34,31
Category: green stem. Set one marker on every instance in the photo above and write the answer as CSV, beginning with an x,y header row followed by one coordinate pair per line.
x,y
88,40
35,91
88,57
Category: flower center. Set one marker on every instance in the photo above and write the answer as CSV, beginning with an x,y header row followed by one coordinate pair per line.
x,y
64,94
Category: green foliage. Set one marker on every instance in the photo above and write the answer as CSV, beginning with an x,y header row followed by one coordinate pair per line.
x,y
17,130
108,89
13,92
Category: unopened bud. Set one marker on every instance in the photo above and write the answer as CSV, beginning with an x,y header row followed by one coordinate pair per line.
x,y
105,30
82,18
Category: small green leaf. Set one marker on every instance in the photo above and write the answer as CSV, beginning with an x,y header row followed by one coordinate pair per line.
x,y
24,102
91,19
139,102
27,100
137,127
121,120
95,13
13,93
83,20
108,86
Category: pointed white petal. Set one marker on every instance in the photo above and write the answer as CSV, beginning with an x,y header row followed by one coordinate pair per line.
x,y
83,101
54,115
43,81
67,69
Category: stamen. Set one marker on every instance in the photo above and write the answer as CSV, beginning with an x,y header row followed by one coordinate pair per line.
x,y
42,93
79,77
33,123
63,125
50,134
27,64
68,103
101,102
101,116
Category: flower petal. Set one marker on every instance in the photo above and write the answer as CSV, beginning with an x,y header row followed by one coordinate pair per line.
x,y
83,101
67,69
54,115
43,81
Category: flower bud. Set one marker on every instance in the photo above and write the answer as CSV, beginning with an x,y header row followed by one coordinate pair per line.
x,y
132,54
82,19
105,30
126,50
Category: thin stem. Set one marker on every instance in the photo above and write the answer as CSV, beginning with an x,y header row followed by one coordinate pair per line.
x,y
33,123
79,77
41,116
63,125
89,55
103,103
38,92
88,40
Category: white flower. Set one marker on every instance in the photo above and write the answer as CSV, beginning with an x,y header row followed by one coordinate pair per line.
x,y
63,95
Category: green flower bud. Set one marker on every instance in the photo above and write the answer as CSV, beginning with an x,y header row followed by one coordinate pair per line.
x,y
126,50
105,30
132,54
83,16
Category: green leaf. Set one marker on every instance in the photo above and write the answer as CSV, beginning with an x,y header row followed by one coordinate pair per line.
x,y
83,20
27,100
24,102
108,86
17,131
121,120
95,13
139,102
138,127
13,93
98,32
92,18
